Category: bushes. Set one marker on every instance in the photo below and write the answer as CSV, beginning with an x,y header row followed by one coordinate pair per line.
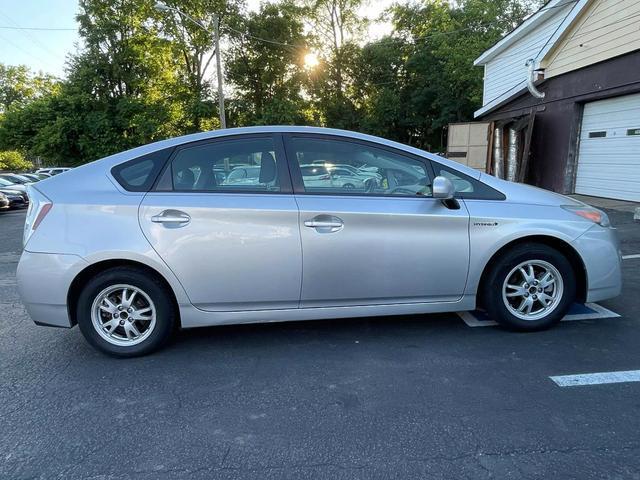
x,y
14,161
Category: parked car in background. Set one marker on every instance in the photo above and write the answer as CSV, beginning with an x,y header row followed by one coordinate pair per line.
x,y
31,176
53,170
321,176
158,242
16,199
363,173
4,202
16,178
6,184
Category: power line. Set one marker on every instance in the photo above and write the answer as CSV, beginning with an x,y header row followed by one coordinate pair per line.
x,y
274,42
18,47
7,27
259,38
29,36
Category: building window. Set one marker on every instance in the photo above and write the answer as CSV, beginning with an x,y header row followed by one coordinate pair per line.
x,y
633,132
597,134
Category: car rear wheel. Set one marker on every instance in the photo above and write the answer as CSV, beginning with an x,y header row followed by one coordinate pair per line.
x,y
529,288
125,312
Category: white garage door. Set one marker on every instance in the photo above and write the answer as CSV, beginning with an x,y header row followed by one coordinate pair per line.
x,y
609,158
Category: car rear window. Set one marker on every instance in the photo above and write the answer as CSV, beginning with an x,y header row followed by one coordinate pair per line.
x,y
139,174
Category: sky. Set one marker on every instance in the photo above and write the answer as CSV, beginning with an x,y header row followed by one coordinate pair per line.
x,y
46,50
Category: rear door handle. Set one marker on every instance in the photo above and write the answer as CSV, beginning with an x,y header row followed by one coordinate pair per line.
x,y
172,217
325,223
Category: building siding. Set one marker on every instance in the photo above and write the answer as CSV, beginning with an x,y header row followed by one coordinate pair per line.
x,y
606,29
507,70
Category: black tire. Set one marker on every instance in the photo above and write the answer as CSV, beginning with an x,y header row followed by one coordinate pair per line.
x,y
348,186
166,314
491,293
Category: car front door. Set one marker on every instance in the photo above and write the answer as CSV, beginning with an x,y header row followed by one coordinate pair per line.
x,y
388,244
233,246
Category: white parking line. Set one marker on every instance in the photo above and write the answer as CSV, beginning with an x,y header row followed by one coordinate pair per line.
x,y
598,313
597,378
629,257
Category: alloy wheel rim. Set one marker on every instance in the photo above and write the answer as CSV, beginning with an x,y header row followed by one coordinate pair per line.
x,y
532,290
123,315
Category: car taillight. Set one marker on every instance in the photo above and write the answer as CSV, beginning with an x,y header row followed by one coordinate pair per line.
x,y
39,207
41,214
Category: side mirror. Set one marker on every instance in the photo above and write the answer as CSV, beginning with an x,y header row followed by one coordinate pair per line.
x,y
443,189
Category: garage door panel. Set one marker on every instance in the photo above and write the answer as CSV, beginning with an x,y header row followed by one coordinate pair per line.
x,y
607,120
609,166
609,172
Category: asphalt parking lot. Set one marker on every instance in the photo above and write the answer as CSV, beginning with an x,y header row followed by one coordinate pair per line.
x,y
395,397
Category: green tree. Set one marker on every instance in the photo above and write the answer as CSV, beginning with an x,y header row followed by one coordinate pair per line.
x,y
192,45
268,75
381,88
118,93
19,86
440,84
14,161
337,29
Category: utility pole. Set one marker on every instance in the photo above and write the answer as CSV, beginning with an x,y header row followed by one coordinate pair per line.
x,y
216,41
216,44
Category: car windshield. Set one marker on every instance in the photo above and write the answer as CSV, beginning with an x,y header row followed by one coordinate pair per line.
x,y
16,178
5,183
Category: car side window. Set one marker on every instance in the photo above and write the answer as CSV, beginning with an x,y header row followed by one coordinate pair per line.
x,y
246,165
333,166
138,175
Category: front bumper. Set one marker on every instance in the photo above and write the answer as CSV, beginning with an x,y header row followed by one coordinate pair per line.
x,y
600,251
43,282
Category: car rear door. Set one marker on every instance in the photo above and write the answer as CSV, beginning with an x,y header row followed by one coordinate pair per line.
x,y
233,247
392,244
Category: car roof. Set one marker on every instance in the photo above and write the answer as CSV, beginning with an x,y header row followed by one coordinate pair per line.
x,y
121,157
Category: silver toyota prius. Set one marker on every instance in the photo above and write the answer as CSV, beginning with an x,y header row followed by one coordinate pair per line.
x,y
226,227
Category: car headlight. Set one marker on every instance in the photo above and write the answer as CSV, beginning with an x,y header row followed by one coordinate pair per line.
x,y
590,213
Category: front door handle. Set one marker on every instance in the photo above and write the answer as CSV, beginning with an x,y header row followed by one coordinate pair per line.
x,y
172,217
325,223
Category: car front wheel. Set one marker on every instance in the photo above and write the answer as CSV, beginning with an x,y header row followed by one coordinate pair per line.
x,y
125,312
529,288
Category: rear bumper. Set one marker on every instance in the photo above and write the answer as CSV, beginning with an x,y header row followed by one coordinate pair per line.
x,y
600,251
43,283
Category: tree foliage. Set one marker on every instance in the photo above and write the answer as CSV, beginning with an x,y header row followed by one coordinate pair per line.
x,y
268,77
18,86
141,74
13,161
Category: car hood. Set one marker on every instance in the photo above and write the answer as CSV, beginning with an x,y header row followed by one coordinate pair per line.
x,y
527,194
